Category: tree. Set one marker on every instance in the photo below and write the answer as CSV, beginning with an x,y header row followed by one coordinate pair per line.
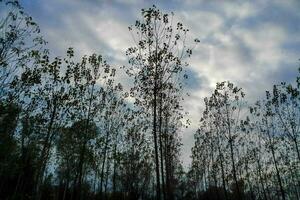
x,y
156,58
20,42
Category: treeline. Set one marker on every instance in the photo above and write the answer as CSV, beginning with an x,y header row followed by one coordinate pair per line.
x,y
247,151
70,130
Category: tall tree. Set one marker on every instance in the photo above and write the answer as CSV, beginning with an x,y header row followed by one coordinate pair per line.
x,y
156,58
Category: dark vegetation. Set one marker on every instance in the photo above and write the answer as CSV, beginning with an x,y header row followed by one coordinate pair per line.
x,y
69,130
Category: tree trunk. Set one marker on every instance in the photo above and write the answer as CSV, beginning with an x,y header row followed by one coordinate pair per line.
x,y
103,163
278,174
232,154
82,154
261,178
114,170
275,162
45,151
222,171
161,147
155,136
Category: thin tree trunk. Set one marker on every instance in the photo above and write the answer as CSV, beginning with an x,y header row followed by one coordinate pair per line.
x,y
103,162
114,171
106,178
155,136
231,151
250,185
261,179
278,174
275,162
82,154
80,169
45,151
222,171
65,189
161,147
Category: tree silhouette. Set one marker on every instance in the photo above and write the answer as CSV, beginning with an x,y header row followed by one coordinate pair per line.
x,y
70,130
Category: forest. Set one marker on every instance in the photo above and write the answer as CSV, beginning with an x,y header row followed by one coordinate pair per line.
x,y
70,129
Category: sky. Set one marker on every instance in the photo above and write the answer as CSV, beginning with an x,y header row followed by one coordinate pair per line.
x,y
253,44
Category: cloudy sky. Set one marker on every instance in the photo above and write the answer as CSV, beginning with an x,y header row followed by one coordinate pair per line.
x,y
254,44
